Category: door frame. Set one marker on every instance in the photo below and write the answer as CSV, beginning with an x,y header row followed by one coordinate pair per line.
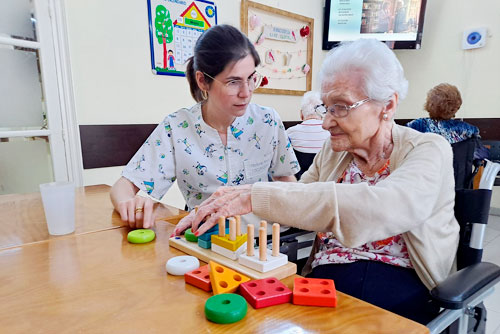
x,y
52,46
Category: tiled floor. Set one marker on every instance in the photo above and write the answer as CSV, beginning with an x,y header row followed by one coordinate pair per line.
x,y
492,254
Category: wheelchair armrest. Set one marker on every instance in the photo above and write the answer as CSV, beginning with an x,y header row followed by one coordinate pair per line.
x,y
461,287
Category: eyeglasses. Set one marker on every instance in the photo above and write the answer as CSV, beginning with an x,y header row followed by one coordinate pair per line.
x,y
233,87
339,110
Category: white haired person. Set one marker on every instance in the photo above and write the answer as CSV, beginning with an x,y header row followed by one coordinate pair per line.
x,y
308,137
379,195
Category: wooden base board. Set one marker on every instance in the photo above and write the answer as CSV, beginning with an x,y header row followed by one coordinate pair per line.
x,y
206,255
263,266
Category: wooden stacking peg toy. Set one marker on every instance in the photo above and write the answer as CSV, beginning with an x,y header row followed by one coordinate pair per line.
x,y
222,226
276,239
231,245
263,224
238,225
266,260
262,244
250,236
232,229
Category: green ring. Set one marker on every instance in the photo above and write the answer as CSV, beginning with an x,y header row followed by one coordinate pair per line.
x,y
189,235
140,236
225,308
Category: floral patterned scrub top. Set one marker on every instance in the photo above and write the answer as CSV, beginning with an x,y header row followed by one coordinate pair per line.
x,y
391,250
184,148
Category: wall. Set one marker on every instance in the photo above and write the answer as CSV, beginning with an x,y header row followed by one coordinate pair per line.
x,y
113,83
474,72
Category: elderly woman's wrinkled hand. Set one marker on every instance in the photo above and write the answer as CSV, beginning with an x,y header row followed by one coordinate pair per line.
x,y
226,201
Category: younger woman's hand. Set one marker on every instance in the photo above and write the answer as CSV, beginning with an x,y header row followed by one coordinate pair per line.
x,y
138,212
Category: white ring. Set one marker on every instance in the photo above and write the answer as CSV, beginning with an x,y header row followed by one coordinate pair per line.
x,y
179,265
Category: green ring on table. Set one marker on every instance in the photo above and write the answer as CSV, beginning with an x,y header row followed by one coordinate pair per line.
x,y
225,308
189,235
140,236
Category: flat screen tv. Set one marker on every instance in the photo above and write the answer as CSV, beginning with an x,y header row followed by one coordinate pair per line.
x,y
398,22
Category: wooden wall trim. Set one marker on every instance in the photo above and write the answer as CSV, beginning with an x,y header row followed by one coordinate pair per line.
x,y
489,128
114,145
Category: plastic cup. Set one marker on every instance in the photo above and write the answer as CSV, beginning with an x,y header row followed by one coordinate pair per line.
x,y
59,205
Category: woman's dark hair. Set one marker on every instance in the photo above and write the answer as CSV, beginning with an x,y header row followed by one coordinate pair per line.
x,y
215,49
443,102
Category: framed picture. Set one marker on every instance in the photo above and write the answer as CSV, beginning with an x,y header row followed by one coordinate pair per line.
x,y
284,42
174,28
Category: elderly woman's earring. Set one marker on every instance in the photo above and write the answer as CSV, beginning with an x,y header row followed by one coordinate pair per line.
x,y
204,94
385,116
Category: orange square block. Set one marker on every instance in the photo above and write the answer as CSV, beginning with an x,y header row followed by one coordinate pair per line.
x,y
314,292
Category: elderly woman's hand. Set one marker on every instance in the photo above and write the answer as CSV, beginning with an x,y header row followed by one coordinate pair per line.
x,y
226,201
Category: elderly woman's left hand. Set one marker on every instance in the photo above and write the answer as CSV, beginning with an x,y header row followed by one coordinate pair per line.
x,y
226,201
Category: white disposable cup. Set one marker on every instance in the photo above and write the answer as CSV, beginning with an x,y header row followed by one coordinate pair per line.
x,y
59,205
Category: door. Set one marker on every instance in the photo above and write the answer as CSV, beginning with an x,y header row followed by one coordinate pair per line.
x,y
32,143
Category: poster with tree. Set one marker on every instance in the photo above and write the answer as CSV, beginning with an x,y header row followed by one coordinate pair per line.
x,y
174,28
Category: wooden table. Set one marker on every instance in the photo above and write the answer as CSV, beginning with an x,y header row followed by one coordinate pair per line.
x,y
22,217
99,283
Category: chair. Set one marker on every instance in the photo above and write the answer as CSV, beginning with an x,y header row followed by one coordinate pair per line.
x,y
463,162
460,296
289,244
305,160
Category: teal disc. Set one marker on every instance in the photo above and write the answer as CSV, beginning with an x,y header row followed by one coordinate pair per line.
x,y
189,235
225,308
140,236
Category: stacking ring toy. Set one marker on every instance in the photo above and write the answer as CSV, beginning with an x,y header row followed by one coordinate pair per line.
x,y
179,265
189,235
225,308
140,236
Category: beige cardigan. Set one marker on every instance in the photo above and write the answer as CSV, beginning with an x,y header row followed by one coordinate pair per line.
x,y
415,200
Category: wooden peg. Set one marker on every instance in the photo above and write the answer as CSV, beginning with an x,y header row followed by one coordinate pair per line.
x,y
232,229
250,236
238,225
276,239
263,224
222,226
262,244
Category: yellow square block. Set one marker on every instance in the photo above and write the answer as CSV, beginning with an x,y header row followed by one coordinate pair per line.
x,y
228,244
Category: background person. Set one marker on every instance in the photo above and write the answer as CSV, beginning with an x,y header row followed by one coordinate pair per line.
x,y
443,102
380,195
308,137
222,140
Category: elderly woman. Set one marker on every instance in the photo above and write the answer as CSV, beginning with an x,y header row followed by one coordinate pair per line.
x,y
379,195
443,102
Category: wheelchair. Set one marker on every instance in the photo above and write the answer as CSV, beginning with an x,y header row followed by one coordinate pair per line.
x,y
460,296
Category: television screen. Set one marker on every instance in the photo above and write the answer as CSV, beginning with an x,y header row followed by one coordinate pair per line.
x,y
397,22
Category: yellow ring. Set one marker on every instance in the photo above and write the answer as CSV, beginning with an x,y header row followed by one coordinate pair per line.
x,y
138,209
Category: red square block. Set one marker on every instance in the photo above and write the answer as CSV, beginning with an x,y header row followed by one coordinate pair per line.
x,y
265,292
314,292
200,278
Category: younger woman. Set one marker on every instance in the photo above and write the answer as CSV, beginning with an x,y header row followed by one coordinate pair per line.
x,y
223,140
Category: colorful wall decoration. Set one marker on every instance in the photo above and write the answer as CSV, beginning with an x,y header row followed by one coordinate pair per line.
x,y
284,42
174,28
